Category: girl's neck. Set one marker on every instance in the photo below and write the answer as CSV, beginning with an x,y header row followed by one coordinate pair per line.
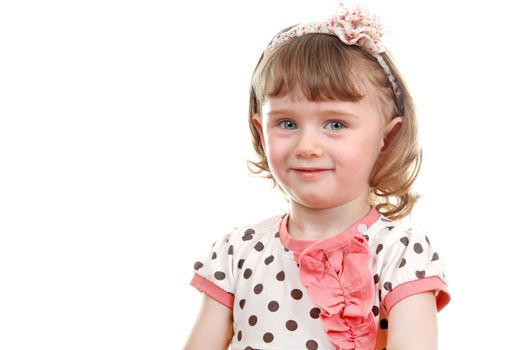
x,y
315,224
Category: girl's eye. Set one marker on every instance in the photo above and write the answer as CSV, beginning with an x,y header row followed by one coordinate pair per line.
x,y
335,125
290,125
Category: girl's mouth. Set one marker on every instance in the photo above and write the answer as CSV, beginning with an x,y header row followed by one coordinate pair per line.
x,y
311,173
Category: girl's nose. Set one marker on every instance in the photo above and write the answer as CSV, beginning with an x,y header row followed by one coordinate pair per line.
x,y
308,146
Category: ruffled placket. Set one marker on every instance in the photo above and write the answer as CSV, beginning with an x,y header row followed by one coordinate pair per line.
x,y
339,281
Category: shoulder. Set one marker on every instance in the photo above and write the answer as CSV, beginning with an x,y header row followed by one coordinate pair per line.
x,y
388,233
395,244
230,249
250,234
405,263
259,228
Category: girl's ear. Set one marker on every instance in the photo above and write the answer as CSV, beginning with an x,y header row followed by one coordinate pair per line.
x,y
256,120
392,129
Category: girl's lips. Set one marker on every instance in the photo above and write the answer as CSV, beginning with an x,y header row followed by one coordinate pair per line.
x,y
311,174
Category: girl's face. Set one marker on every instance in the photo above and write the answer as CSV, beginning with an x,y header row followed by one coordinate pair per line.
x,y
322,153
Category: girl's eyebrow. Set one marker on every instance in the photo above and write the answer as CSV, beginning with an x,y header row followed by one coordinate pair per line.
x,y
328,112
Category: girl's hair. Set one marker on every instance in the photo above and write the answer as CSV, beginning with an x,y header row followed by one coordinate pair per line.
x,y
322,67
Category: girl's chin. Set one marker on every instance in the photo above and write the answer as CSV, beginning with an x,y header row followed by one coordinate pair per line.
x,y
320,199
312,202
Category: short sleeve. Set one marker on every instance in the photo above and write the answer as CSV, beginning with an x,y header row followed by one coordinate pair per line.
x,y
214,275
411,265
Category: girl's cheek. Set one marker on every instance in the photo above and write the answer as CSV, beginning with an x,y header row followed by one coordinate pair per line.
x,y
277,142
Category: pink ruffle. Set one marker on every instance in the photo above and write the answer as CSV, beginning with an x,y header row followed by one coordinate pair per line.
x,y
340,283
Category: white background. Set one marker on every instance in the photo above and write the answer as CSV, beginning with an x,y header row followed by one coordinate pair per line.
x,y
123,141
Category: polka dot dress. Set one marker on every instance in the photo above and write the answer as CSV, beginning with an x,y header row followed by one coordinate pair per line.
x,y
255,271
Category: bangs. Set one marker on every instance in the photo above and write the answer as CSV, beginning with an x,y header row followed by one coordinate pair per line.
x,y
318,66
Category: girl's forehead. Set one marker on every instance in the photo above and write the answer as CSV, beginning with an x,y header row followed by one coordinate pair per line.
x,y
300,104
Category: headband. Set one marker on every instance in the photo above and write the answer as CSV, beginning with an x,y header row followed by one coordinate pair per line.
x,y
353,27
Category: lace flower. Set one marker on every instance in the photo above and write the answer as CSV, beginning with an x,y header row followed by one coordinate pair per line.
x,y
357,27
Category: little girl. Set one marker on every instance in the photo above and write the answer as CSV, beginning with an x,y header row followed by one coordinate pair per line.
x,y
334,128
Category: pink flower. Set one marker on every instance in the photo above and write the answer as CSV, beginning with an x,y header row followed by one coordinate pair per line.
x,y
354,27
357,27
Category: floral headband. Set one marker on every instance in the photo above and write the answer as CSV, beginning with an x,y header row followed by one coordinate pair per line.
x,y
353,27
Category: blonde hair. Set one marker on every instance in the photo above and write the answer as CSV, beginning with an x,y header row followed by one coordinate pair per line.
x,y
322,67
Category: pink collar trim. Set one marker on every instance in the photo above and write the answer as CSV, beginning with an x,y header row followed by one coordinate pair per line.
x,y
298,245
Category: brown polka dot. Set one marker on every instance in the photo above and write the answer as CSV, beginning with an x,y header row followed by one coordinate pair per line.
x,y
366,237
249,231
214,256
259,246
380,295
246,237
219,275
402,263
214,243
273,306
249,348
376,278
280,276
242,303
312,345
427,239
315,312
379,248
435,257
404,240
268,337
276,235
296,294
269,260
390,227
239,335
420,274
240,263
198,265
291,325
253,320
383,323
388,286
418,248
375,310
247,273
230,250
286,249
258,288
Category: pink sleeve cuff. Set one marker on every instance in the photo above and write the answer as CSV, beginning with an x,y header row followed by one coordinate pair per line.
x,y
418,286
211,289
